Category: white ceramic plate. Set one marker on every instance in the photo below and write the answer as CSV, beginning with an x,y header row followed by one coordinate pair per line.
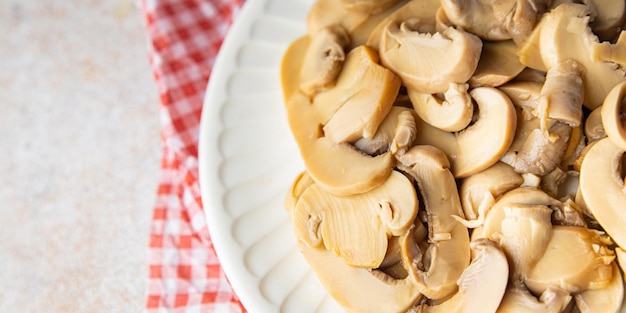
x,y
248,160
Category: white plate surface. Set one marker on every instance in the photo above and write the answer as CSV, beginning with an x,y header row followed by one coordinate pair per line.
x,y
248,160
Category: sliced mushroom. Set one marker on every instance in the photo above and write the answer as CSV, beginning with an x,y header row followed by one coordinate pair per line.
x,y
517,299
358,289
562,34
448,252
576,259
498,64
521,222
607,299
614,115
395,134
389,210
363,95
482,143
339,168
361,34
428,62
602,188
323,60
452,113
324,13
495,20
482,284
485,19
608,18
492,182
570,214
424,10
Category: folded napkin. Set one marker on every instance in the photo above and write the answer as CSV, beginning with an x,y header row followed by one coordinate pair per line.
x,y
185,274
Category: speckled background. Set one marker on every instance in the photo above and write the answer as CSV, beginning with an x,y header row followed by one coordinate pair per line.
x,y
79,156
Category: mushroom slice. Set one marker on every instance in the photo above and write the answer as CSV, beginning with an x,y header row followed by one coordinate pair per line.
x,y
498,64
607,299
483,18
563,34
602,188
363,95
482,284
481,144
428,62
424,10
395,134
448,253
608,18
517,299
357,227
492,182
521,222
576,259
359,289
338,168
324,13
452,113
323,60
614,115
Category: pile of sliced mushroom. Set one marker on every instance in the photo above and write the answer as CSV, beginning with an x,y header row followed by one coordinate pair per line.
x,y
461,156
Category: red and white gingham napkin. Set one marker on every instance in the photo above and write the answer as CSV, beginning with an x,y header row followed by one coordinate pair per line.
x,y
185,274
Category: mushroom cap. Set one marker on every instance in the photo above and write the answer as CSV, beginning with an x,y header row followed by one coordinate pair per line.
x,y
602,188
320,217
428,62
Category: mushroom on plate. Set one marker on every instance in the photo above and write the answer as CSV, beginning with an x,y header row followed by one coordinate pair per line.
x,y
498,64
448,252
451,112
319,219
395,134
428,62
564,33
483,142
481,286
323,59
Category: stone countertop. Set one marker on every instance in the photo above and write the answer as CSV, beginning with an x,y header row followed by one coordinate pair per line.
x,y
79,161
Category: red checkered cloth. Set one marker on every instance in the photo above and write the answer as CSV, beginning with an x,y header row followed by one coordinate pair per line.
x,y
185,274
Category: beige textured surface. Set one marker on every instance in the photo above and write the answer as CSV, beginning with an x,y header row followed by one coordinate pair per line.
x,y
79,156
